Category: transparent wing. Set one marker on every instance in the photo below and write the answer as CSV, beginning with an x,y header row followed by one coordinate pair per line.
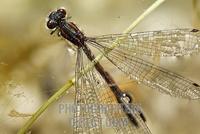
x,y
174,42
92,89
85,96
150,74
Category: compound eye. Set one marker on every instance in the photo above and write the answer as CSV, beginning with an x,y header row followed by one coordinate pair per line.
x,y
62,12
51,24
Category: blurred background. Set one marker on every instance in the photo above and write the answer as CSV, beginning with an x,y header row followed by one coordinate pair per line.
x,y
33,64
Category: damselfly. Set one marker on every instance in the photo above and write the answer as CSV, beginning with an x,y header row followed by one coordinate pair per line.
x,y
93,87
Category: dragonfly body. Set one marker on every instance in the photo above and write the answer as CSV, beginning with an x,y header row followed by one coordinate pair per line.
x,y
70,31
127,58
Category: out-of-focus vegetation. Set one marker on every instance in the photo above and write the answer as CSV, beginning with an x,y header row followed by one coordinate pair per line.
x,y
34,64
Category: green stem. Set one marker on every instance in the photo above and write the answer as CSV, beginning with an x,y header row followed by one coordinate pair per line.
x,y
71,82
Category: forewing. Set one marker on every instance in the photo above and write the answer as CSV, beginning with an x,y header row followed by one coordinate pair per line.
x,y
176,42
85,121
151,75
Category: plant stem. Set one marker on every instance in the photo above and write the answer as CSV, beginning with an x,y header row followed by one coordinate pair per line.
x,y
60,92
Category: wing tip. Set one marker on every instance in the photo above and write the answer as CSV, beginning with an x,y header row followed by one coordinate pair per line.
x,y
195,84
